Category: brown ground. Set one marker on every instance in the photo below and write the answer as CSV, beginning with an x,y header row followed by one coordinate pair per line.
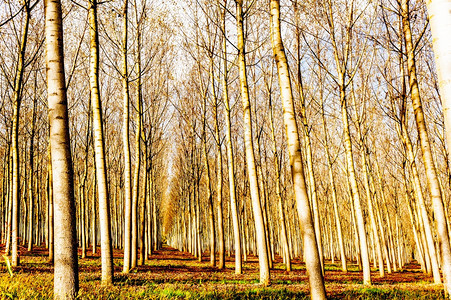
x,y
170,269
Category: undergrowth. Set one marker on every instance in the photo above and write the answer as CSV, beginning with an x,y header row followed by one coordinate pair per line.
x,y
392,294
185,278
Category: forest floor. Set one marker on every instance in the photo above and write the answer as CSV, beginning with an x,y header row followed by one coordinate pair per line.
x,y
171,274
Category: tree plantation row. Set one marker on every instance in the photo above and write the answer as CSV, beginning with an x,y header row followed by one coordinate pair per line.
x,y
314,130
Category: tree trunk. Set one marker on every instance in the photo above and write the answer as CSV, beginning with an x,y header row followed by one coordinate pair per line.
x,y
283,226
431,173
221,262
50,220
31,223
126,145
311,253
99,145
343,80
230,157
344,267
354,187
440,22
135,195
209,195
418,193
66,266
83,192
94,213
198,220
8,212
249,148
149,204
366,182
18,83
139,135
221,244
142,219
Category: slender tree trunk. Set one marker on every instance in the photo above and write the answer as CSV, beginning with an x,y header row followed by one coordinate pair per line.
x,y
8,211
9,204
311,252
82,220
366,182
18,83
50,220
221,262
66,266
308,149
155,221
384,241
354,188
405,138
149,197
39,232
135,209
139,135
374,227
3,199
344,267
355,230
99,145
387,218
117,205
142,219
209,196
381,228
343,81
249,148
283,226
198,220
83,192
126,145
230,157
94,213
262,184
415,229
23,213
135,195
221,244
31,223
431,173
440,22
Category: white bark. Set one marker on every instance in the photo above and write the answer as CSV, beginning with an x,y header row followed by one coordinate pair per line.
x,y
311,253
66,266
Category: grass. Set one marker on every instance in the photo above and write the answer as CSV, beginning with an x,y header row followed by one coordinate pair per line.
x,y
170,274
384,293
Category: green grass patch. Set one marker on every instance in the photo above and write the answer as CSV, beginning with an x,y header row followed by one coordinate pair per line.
x,y
230,281
267,294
